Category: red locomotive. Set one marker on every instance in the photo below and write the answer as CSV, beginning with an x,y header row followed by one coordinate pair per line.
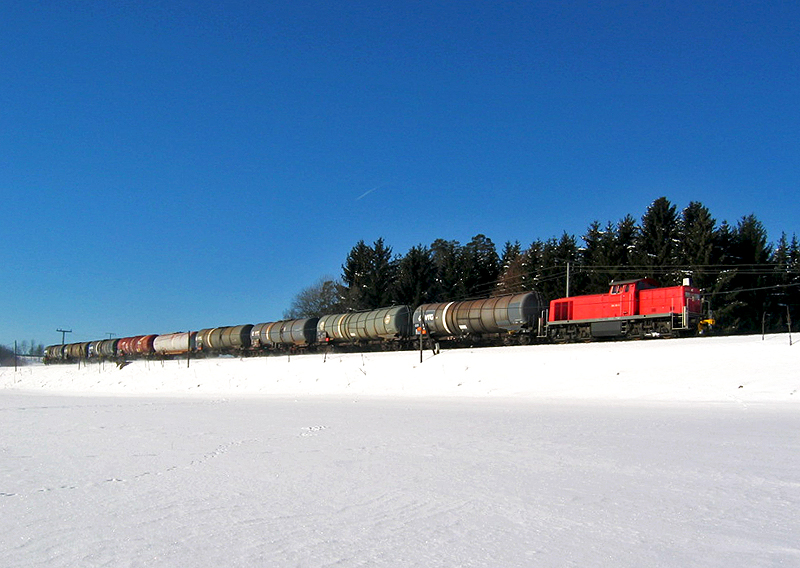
x,y
632,308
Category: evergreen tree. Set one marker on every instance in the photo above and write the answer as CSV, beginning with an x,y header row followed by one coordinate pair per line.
x,y
697,229
597,257
513,272
6,356
449,278
553,259
481,266
511,252
355,273
656,245
416,279
384,276
531,265
370,274
624,249
784,302
743,294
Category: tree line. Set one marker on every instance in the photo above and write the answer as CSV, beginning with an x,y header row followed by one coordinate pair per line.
x,y
749,283
32,349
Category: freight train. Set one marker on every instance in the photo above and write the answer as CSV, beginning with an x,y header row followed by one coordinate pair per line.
x,y
631,309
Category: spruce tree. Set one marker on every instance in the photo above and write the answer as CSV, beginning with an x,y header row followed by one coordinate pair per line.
x,y
656,246
416,277
449,272
481,266
513,271
697,230
370,274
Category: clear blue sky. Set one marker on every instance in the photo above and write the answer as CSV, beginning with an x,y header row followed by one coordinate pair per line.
x,y
176,165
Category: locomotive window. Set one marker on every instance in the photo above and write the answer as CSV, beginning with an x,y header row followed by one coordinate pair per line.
x,y
615,289
627,287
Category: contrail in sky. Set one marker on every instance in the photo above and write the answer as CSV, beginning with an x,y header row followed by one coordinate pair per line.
x,y
369,191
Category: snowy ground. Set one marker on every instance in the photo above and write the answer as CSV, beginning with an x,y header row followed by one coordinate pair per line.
x,y
657,453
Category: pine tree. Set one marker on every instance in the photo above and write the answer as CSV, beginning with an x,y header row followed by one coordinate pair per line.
x,y
449,277
597,257
355,273
383,276
481,266
656,246
744,301
416,277
553,259
697,230
513,272
370,274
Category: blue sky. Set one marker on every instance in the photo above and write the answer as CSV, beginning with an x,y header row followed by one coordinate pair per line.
x,y
177,165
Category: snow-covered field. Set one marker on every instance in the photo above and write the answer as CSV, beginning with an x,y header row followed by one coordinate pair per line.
x,y
640,454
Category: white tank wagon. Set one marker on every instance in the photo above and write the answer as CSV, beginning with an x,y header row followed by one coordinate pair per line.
x,y
175,343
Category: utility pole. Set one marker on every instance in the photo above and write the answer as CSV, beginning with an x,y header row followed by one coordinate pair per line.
x,y
63,333
788,321
568,279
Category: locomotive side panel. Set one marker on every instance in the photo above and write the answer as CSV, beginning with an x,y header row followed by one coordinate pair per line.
x,y
671,300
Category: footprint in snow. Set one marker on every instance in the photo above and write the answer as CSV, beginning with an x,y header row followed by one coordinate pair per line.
x,y
312,430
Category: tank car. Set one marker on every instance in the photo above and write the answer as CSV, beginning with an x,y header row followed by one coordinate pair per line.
x,y
392,323
229,339
510,314
76,351
107,349
143,346
175,343
284,334
126,346
54,353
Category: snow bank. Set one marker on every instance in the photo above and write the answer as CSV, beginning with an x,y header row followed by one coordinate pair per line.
x,y
745,369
